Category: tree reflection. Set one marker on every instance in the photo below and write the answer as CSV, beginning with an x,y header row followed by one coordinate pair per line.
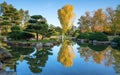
x,y
66,54
98,57
17,53
97,47
36,64
101,56
116,63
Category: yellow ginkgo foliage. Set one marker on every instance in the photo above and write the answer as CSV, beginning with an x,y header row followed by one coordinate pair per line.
x,y
98,57
66,17
66,54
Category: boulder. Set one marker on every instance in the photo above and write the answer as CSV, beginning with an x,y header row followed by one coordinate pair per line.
x,y
5,54
39,45
48,44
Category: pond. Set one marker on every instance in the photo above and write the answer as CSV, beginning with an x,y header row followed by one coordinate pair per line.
x,y
68,58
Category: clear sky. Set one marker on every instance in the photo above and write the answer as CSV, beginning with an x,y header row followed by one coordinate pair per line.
x,y
49,8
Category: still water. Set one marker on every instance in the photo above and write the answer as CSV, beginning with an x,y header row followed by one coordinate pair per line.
x,y
68,58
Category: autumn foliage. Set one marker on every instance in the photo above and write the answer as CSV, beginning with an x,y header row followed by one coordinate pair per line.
x,y
101,21
66,17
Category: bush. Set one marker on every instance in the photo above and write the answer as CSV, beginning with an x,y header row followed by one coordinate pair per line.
x,y
99,36
117,40
14,35
26,36
83,36
20,35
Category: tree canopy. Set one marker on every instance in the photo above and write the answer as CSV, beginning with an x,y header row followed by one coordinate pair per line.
x,y
66,16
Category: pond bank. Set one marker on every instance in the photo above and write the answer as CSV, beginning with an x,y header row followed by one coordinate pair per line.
x,y
4,54
32,44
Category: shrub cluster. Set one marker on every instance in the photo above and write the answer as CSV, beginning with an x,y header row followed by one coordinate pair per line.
x,y
99,36
20,35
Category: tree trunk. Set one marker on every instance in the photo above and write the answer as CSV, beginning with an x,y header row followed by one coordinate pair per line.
x,y
62,35
42,37
37,37
115,33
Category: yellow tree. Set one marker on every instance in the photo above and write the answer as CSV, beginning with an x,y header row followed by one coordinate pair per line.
x,y
66,17
99,20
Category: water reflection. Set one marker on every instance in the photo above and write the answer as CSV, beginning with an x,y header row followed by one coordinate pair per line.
x,y
38,62
66,54
18,55
97,47
34,61
103,56
106,55
116,55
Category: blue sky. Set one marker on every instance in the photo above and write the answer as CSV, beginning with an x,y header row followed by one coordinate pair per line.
x,y
49,8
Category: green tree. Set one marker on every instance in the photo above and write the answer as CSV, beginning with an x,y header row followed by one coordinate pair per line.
x,y
38,25
116,23
10,16
55,30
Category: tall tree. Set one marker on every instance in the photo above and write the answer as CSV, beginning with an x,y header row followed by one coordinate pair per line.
x,y
99,18
38,25
66,16
85,22
110,16
10,16
117,21
24,17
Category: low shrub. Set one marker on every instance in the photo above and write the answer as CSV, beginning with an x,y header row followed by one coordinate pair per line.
x,y
83,36
99,36
20,35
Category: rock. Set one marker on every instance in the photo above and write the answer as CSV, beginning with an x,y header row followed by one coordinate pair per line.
x,y
1,65
5,54
82,40
113,43
95,42
39,45
48,44
33,44
3,72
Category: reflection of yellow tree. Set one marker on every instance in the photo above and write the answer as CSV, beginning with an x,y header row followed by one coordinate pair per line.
x,y
98,57
66,54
